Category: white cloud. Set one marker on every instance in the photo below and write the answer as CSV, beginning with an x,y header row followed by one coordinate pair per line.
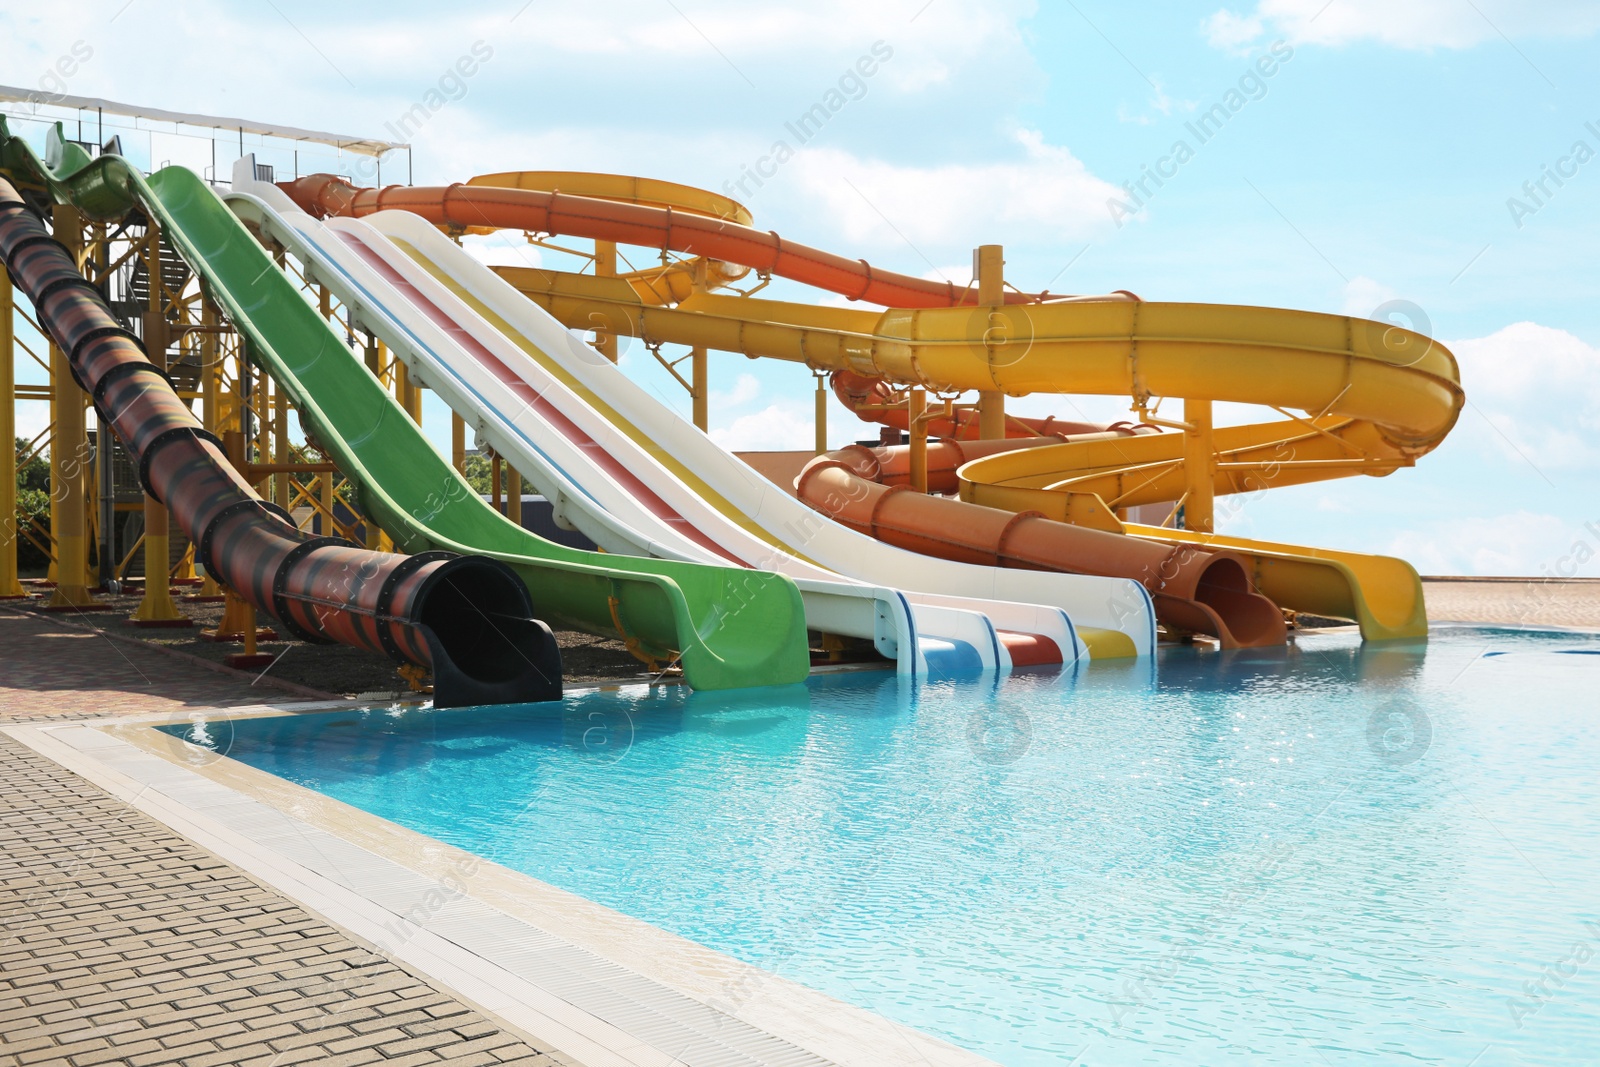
x,y
746,387
1044,196
777,427
1515,543
1535,397
1362,296
1229,31
1413,24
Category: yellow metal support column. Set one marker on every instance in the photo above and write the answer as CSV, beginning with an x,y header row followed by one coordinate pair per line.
x,y
702,387
156,607
261,398
605,266
822,414
238,622
211,401
407,395
10,588
69,451
280,445
1199,467
458,442
917,409
325,488
988,266
700,371
513,495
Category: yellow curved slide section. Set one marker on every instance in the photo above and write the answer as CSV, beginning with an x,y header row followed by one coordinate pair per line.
x,y
667,283
1375,398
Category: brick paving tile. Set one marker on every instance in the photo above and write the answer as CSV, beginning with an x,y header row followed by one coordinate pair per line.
x,y
122,943
1513,602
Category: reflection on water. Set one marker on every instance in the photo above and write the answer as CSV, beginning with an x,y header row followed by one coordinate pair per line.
x,y
1332,852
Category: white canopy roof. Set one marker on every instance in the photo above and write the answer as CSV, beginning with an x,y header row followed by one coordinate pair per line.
x,y
367,146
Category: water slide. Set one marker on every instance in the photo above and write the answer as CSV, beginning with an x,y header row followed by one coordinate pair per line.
x,y
726,627
648,482
1375,397
464,618
1383,595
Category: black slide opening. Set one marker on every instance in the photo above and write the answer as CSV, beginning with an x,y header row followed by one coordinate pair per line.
x,y
486,648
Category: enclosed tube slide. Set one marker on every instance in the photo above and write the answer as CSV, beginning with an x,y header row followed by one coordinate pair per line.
x,y
537,210
1194,590
465,618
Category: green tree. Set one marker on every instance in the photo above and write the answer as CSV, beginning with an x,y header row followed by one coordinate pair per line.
x,y
33,501
479,472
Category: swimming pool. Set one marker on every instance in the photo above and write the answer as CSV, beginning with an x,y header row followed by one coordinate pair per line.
x,y
1331,853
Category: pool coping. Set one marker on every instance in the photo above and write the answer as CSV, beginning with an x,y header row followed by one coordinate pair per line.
x,y
605,988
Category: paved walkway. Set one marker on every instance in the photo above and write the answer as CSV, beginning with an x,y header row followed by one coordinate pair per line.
x,y
1515,601
122,943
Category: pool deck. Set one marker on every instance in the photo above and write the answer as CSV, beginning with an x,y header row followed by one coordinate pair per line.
x,y
123,942
126,942
1572,603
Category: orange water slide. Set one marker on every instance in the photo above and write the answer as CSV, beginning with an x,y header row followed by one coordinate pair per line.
x,y
549,211
1195,590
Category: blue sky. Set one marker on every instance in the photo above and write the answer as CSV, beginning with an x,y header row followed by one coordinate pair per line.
x,y
1375,164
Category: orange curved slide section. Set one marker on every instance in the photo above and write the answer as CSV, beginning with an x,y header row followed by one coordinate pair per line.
x,y
1194,589
543,211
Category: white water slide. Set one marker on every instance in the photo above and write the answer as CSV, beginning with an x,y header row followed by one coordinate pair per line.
x,y
623,468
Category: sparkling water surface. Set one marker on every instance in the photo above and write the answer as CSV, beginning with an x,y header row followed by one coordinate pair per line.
x,y
1329,854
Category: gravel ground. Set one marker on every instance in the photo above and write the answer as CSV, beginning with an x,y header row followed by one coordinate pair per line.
x,y
336,670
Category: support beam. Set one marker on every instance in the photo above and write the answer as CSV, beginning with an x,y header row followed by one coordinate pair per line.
x,y
458,443
407,395
104,478
513,495
325,487
280,446
821,442
156,607
917,409
211,413
1199,468
376,539
702,387
10,588
988,267
69,453
700,371
605,266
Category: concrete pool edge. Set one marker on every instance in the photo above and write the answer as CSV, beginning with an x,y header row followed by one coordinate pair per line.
x,y
460,919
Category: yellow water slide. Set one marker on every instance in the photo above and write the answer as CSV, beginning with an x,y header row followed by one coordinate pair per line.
x,y
1353,396
1350,396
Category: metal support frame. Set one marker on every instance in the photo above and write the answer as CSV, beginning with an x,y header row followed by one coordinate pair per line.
x,y
1199,467
156,607
10,534
69,453
988,267
917,410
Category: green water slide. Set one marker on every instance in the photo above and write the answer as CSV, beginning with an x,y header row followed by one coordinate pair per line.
x,y
727,627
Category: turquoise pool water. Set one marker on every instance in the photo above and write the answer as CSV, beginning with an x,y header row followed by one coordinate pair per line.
x,y
1331,854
